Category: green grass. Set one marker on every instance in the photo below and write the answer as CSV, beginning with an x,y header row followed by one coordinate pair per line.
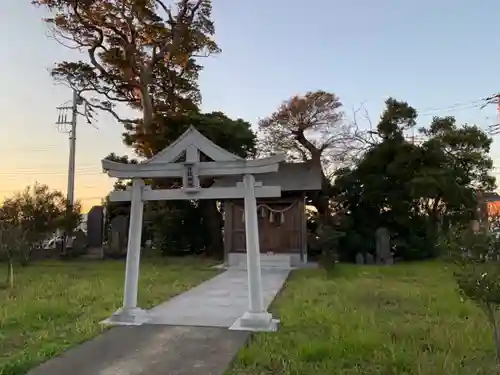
x,y
58,304
406,319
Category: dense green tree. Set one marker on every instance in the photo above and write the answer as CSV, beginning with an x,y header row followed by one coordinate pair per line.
x,y
413,189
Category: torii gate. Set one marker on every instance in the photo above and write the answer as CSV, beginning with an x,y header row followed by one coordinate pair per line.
x,y
164,164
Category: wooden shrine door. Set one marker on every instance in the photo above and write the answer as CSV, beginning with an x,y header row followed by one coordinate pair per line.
x,y
279,227
277,234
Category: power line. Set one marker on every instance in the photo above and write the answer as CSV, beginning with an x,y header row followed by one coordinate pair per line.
x,y
24,173
46,168
50,173
482,103
28,148
54,165
451,109
460,105
476,103
17,189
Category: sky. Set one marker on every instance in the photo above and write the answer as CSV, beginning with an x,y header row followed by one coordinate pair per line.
x,y
439,56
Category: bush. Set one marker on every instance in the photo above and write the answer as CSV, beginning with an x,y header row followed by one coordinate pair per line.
x,y
176,228
28,217
475,260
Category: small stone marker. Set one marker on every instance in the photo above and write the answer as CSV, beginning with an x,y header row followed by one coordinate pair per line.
x,y
118,236
370,259
383,241
360,259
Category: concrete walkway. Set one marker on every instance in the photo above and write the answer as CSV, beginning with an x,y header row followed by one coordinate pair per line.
x,y
187,335
218,302
150,350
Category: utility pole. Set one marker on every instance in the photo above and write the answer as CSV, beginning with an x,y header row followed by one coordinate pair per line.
x,y
63,123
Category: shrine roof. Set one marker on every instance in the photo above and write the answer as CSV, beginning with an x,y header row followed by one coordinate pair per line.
x,y
290,176
190,145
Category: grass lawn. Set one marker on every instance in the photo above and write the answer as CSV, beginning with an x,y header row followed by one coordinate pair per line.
x,y
406,319
57,304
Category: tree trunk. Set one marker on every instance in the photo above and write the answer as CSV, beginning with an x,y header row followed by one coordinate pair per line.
x,y
321,201
212,219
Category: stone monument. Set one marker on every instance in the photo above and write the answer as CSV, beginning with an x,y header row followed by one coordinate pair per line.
x,y
95,226
117,237
383,243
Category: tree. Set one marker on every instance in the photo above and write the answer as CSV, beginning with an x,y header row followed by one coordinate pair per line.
x,y
311,128
147,55
414,190
29,217
142,53
12,241
462,155
475,261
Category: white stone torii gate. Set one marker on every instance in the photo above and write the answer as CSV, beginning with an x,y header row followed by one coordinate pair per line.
x,y
164,164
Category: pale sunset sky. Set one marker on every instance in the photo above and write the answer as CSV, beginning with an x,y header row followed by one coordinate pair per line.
x,y
440,56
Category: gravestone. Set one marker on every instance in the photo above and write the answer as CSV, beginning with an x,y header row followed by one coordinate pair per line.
x,y
79,243
370,259
383,242
360,259
118,236
95,226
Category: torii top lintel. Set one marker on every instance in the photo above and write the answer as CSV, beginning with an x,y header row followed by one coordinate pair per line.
x,y
192,142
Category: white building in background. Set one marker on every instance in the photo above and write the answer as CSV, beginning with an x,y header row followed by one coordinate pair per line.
x,y
83,223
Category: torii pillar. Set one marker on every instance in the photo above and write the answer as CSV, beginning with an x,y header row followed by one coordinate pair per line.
x,y
130,313
256,318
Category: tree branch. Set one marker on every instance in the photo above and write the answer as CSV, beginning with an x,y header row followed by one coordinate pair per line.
x,y
111,111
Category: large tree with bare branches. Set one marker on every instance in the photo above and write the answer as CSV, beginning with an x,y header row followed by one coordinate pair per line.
x,y
311,128
142,53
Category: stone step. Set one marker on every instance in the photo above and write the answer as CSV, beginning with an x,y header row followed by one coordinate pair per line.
x,y
267,261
